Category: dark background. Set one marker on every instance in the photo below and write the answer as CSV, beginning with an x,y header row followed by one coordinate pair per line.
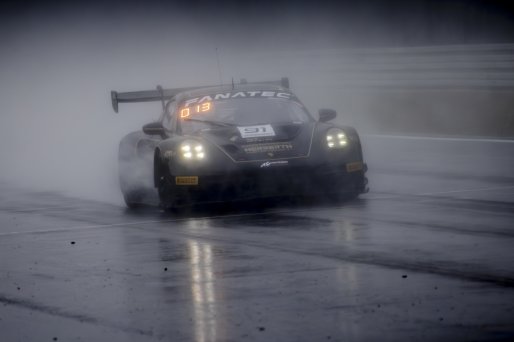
x,y
293,23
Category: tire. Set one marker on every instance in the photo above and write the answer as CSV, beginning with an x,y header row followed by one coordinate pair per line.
x,y
163,196
348,191
160,171
133,199
168,200
342,196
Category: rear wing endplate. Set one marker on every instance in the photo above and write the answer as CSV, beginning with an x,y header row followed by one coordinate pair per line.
x,y
162,95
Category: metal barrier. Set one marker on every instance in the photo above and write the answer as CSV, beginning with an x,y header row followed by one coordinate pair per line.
x,y
463,89
461,66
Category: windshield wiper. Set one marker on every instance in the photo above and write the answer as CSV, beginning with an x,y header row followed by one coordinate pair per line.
x,y
212,122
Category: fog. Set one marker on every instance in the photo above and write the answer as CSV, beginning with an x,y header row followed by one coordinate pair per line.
x,y
58,131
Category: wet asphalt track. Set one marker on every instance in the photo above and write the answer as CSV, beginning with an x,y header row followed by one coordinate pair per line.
x,y
428,254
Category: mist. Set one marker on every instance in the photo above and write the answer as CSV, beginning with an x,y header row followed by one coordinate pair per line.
x,y
369,62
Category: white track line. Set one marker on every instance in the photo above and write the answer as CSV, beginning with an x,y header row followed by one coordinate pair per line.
x,y
394,195
466,190
37,209
411,137
147,222
244,215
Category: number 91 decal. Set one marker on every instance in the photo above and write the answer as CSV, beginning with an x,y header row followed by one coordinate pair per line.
x,y
256,131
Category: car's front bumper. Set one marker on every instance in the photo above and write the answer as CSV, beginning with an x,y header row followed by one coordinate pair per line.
x,y
245,184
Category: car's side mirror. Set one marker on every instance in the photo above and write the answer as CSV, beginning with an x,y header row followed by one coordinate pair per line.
x,y
327,114
154,128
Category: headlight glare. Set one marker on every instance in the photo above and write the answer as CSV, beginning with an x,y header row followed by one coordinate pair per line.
x,y
192,150
336,138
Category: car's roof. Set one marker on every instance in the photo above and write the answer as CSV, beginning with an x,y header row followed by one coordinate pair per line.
x,y
229,88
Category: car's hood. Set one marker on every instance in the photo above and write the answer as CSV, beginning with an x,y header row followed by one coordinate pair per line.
x,y
262,142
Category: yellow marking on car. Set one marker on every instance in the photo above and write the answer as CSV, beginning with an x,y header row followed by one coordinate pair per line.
x,y
186,180
355,166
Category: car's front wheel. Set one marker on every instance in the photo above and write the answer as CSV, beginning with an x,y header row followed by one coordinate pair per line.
x,y
348,189
161,174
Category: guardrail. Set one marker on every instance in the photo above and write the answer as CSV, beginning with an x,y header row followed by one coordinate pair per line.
x,y
461,66
463,89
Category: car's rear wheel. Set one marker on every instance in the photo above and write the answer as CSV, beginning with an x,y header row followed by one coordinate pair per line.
x,y
133,199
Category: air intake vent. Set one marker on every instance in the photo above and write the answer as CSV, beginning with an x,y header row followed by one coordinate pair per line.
x,y
231,148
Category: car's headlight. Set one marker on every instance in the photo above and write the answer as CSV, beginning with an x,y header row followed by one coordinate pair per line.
x,y
192,150
336,138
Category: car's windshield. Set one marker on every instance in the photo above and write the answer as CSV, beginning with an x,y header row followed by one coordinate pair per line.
x,y
240,112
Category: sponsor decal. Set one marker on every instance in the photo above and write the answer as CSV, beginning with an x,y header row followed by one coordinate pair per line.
x,y
274,163
167,155
267,148
256,131
355,166
259,140
186,180
238,95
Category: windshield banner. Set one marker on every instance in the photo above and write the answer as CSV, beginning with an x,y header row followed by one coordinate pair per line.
x,y
236,95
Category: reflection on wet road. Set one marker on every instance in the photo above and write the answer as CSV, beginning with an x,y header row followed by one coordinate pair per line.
x,y
426,255
202,289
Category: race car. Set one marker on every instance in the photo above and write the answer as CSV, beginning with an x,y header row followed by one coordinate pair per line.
x,y
236,142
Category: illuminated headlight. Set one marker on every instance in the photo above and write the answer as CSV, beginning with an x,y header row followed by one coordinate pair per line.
x,y
192,150
336,138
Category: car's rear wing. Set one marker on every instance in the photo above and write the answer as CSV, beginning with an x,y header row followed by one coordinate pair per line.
x,y
158,94
162,95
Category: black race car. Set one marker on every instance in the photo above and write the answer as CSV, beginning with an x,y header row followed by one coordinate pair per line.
x,y
237,142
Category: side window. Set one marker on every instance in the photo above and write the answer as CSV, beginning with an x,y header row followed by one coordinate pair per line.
x,y
169,120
